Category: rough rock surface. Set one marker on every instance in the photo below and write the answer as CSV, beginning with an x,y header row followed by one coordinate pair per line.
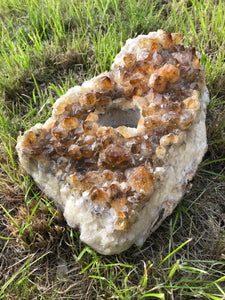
x,y
118,151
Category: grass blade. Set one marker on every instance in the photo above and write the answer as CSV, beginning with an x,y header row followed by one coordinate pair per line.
x,y
174,251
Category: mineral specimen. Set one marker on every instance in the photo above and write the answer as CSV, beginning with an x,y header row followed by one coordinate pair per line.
x,y
118,151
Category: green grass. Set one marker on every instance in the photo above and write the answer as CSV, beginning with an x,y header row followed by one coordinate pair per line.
x,y
49,46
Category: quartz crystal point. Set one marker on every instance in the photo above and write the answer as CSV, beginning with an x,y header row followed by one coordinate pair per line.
x,y
117,153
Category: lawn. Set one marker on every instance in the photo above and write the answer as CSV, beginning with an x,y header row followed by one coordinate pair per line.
x,y
48,46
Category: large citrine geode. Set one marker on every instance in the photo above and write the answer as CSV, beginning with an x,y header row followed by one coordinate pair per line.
x,y
118,151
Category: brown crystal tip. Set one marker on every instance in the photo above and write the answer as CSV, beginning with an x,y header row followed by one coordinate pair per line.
x,y
108,137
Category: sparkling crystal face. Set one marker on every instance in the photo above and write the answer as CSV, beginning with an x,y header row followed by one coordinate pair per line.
x,y
111,141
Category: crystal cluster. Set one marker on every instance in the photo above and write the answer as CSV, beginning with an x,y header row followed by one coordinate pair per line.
x,y
107,141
